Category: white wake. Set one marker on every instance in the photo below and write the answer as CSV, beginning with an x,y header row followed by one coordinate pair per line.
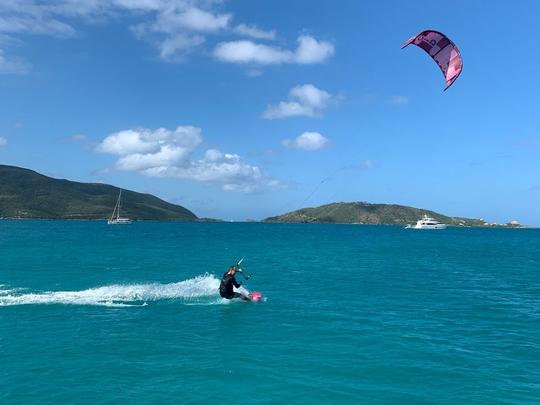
x,y
201,289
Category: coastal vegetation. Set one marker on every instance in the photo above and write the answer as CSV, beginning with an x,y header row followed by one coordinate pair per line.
x,y
25,193
366,213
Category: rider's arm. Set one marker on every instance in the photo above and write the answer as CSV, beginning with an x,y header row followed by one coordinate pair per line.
x,y
236,283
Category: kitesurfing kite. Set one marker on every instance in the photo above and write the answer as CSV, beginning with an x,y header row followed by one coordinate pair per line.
x,y
442,50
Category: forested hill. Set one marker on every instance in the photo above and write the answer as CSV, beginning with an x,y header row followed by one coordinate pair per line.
x,y
366,213
27,194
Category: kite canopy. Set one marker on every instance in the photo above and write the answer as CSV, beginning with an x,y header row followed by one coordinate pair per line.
x,y
442,50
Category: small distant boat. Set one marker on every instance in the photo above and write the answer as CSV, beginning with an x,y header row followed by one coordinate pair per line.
x,y
427,223
116,219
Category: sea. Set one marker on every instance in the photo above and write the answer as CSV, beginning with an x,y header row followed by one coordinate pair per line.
x,y
98,314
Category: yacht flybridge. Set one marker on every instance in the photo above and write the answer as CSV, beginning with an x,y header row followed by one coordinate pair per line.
x,y
427,223
116,219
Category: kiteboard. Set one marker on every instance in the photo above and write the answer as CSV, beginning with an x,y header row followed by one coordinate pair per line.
x,y
255,296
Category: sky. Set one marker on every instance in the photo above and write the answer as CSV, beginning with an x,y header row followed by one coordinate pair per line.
x,y
246,109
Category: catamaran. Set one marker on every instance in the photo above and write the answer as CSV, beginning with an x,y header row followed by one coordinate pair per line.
x,y
116,219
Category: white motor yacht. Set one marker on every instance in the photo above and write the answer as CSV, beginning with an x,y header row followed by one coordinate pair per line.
x,y
427,223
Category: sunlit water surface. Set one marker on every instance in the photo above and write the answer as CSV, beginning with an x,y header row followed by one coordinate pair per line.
x,y
95,313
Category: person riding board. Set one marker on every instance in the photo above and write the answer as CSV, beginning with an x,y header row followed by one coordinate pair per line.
x,y
228,282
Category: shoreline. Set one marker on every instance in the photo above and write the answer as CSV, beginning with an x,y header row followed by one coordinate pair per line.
x,y
218,221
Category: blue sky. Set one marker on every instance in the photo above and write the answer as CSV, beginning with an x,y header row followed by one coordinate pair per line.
x,y
246,109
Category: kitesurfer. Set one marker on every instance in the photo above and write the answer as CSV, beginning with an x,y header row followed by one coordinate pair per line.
x,y
228,282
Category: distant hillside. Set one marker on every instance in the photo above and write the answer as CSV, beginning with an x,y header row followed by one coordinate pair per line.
x,y
27,194
365,213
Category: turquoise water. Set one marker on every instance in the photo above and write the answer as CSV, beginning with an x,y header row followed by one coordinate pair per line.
x,y
91,313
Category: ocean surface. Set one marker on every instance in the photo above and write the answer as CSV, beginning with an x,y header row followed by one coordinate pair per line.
x,y
91,313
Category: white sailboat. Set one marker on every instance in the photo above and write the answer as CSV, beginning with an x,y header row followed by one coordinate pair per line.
x,y
116,219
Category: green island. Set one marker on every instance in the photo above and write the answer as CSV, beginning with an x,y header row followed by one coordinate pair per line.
x,y
26,194
373,214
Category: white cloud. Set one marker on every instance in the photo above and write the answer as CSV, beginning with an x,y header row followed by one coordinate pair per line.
x,y
309,141
179,27
12,65
174,27
165,153
166,156
254,32
34,23
312,51
3,141
400,100
171,20
143,148
304,100
250,52
309,51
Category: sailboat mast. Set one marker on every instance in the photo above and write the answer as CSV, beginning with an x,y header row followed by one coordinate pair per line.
x,y
114,211
119,202
116,207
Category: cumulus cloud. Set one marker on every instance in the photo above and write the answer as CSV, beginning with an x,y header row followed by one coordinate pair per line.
x,y
180,27
312,51
249,52
56,17
170,20
309,141
169,153
254,32
3,141
304,100
174,27
309,51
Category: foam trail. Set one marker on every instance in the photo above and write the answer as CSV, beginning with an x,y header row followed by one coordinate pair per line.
x,y
7,291
119,295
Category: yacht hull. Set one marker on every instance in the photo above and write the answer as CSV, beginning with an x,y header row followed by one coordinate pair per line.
x,y
121,221
440,226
